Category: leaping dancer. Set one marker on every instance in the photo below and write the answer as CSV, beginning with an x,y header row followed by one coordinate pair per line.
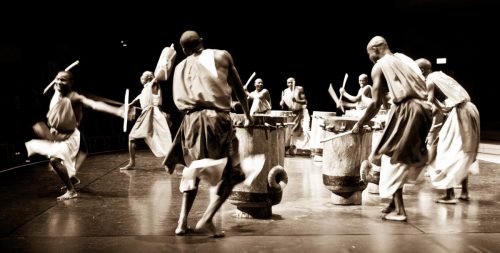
x,y
59,136
152,124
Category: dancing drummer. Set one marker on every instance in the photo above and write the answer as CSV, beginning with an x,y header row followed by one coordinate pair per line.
x,y
294,99
202,87
361,100
152,124
260,98
456,144
403,140
60,137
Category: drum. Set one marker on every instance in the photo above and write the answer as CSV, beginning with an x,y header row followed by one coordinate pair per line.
x,y
318,133
266,136
342,160
355,113
288,123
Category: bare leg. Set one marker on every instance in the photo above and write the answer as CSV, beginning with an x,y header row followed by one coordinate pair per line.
x,y
448,198
400,212
389,208
465,191
205,224
61,171
80,157
188,198
400,207
131,150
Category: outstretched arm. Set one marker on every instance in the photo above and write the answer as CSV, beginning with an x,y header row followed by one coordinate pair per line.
x,y
377,98
349,96
100,106
234,80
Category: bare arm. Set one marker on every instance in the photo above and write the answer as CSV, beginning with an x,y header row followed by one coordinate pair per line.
x,y
301,96
136,99
234,80
377,98
249,94
264,94
282,102
100,106
349,96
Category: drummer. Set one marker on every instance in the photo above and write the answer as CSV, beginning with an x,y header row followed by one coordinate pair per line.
x,y
60,137
202,87
294,99
362,99
259,98
403,142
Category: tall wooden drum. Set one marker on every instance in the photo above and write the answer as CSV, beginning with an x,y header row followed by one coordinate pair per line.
x,y
342,157
266,136
288,123
318,133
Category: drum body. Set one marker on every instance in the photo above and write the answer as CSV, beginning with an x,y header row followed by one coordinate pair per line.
x,y
288,123
342,157
318,133
266,136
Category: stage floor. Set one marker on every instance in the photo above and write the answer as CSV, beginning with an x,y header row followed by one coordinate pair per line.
x,y
137,211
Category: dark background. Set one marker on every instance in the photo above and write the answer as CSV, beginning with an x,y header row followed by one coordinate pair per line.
x,y
317,43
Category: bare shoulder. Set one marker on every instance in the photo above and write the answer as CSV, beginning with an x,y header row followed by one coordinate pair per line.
x,y
223,58
222,54
75,96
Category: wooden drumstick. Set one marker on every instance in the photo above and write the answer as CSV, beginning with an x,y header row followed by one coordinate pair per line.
x,y
54,81
336,136
249,80
343,86
125,113
334,95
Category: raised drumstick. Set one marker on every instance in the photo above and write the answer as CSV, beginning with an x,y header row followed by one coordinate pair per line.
x,y
343,86
66,69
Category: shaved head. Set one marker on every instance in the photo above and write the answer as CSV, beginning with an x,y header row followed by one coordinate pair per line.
x,y
377,48
376,42
190,41
424,65
147,77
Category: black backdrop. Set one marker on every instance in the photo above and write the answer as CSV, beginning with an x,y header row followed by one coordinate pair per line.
x,y
315,43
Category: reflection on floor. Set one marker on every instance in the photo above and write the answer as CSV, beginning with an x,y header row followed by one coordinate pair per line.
x,y
137,211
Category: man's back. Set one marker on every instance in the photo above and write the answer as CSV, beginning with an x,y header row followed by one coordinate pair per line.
x,y
201,81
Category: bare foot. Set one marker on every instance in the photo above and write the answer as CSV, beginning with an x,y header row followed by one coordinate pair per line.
x,y
209,228
68,195
394,217
183,230
74,180
464,197
389,208
446,200
129,166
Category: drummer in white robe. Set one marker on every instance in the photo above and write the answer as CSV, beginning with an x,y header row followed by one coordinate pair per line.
x,y
60,137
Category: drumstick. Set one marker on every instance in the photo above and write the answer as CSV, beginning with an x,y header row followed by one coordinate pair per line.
x,y
107,100
66,69
249,79
343,134
125,113
343,86
333,95
336,136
